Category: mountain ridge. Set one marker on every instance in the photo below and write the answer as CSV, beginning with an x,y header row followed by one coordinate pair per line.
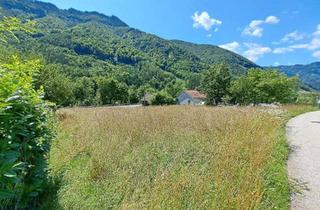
x,y
38,9
308,73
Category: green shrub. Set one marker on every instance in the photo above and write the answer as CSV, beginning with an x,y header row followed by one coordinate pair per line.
x,y
25,133
112,91
264,86
162,98
307,98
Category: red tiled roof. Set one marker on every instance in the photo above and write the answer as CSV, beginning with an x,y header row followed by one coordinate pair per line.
x,y
195,94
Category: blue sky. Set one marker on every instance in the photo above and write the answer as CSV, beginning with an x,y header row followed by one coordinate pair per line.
x,y
268,32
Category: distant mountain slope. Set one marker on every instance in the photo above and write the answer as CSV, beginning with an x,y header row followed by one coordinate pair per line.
x,y
212,54
93,44
309,74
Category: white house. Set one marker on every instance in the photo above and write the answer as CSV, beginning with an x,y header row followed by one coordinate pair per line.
x,y
191,97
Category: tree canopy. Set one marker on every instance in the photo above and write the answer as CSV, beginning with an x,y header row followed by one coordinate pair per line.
x,y
215,83
264,86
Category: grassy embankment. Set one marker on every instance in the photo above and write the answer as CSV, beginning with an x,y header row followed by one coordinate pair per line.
x,y
171,158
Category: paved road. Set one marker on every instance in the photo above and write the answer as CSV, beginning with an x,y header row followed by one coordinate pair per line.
x,y
304,160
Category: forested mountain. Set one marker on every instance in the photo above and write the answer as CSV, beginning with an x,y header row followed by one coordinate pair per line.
x,y
91,44
309,74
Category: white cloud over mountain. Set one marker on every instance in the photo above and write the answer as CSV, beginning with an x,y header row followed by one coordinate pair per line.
x,y
293,37
255,51
203,20
292,41
232,46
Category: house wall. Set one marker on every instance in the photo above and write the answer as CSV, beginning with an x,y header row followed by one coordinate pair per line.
x,y
185,99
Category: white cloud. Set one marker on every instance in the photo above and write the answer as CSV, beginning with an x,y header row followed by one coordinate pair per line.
x,y
255,51
282,50
255,27
300,46
316,54
272,20
276,63
313,45
204,20
293,36
209,35
317,32
232,46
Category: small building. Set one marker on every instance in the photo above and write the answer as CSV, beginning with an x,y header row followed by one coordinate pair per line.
x,y
147,99
191,97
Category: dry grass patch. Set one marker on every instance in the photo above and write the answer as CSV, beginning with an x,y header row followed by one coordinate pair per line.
x,y
170,158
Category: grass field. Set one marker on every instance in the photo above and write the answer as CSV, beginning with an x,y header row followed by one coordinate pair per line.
x,y
170,158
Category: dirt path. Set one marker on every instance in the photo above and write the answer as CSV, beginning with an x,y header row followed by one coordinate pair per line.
x,y
304,161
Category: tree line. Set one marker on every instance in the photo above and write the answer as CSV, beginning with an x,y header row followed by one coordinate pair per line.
x,y
218,83
256,86
102,90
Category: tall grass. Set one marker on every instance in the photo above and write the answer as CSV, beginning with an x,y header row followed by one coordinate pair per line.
x,y
293,110
170,158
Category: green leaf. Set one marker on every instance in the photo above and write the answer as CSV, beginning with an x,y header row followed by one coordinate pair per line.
x,y
6,194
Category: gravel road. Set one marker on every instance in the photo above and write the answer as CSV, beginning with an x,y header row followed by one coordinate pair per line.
x,y
303,134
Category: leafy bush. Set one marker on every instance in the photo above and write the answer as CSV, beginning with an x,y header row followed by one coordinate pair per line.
x,y
112,91
307,98
85,91
162,98
58,88
25,133
264,86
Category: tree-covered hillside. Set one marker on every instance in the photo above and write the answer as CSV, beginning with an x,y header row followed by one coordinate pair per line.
x,y
309,74
94,43
213,54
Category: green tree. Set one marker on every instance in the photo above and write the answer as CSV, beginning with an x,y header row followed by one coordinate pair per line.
x,y
243,91
10,25
193,80
112,91
175,87
85,91
162,98
215,83
264,86
58,88
133,95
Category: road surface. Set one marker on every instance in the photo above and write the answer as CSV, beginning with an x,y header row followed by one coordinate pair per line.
x,y
303,134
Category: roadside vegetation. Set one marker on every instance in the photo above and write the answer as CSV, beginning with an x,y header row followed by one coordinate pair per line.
x,y
25,127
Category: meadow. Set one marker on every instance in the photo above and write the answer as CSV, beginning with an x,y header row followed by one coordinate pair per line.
x,y
170,157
